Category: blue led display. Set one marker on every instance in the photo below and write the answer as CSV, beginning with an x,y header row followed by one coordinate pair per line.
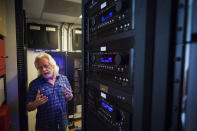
x,y
108,60
109,108
107,17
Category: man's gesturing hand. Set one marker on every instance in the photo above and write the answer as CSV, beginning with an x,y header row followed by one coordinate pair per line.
x,y
40,98
69,94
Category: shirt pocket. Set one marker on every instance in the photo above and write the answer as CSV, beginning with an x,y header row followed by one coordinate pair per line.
x,y
61,92
46,91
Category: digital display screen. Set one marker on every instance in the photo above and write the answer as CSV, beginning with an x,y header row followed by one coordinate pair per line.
x,y
103,5
109,15
103,48
103,95
109,108
106,59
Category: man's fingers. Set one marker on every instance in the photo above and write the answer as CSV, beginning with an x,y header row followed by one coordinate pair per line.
x,y
43,97
40,98
38,93
68,90
43,100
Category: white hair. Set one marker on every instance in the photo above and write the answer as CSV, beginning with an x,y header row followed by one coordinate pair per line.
x,y
51,61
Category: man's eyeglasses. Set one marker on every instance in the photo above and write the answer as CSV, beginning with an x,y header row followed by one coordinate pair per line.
x,y
46,66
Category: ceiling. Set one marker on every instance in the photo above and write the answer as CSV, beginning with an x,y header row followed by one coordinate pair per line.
x,y
67,11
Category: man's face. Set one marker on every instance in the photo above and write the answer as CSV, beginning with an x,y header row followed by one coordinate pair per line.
x,y
45,69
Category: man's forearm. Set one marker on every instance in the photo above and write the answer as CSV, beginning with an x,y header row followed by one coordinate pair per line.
x,y
31,106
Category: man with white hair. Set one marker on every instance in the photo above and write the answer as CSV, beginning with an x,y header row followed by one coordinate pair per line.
x,y
49,93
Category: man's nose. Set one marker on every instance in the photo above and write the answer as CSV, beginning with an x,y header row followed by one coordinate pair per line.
x,y
44,68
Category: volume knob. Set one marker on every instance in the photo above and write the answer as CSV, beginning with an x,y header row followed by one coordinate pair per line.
x,y
93,58
118,59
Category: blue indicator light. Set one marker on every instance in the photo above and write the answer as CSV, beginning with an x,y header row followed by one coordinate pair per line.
x,y
108,60
104,105
102,59
110,14
102,19
107,17
109,108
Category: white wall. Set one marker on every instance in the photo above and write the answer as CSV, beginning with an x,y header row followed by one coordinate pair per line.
x,y
11,65
31,75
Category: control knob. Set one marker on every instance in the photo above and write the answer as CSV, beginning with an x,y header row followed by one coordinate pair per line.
x,y
93,58
118,59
